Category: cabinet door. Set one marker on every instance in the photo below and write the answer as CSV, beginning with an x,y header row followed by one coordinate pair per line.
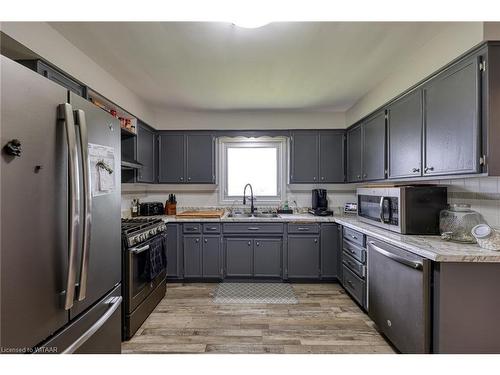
x,y
331,156
173,252
192,256
171,158
211,256
404,136
303,257
145,153
354,154
451,125
267,257
239,257
373,164
200,156
330,250
304,157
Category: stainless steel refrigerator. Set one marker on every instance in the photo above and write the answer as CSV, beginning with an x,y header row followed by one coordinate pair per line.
x,y
60,254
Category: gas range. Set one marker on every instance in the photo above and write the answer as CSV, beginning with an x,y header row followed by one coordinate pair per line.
x,y
137,230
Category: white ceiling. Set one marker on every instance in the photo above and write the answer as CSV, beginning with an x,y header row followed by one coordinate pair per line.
x,y
218,66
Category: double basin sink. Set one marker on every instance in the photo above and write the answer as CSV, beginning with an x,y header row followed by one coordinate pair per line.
x,y
255,214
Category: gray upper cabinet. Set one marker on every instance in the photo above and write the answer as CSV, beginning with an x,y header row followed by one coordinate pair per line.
x,y
404,134
267,257
304,152
200,156
331,156
146,153
317,156
171,158
186,158
451,123
330,250
373,149
354,152
303,256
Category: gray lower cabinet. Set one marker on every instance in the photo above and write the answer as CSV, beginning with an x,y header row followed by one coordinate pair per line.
x,y
373,148
354,152
174,255
404,136
146,153
303,256
192,256
330,250
239,257
211,257
452,119
267,254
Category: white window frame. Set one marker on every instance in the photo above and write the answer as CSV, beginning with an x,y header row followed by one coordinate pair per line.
x,y
244,142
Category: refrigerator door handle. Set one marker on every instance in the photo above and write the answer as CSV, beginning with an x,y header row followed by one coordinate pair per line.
x,y
65,113
114,303
87,203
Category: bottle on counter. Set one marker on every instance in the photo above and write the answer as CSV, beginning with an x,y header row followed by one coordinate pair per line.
x,y
134,209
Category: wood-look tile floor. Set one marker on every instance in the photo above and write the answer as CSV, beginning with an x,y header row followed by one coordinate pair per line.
x,y
325,320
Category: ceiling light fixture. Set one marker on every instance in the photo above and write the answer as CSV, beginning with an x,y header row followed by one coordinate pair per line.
x,y
251,24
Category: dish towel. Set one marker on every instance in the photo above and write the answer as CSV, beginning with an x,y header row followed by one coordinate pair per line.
x,y
157,258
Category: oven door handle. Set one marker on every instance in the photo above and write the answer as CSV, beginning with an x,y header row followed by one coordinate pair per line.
x,y
381,213
138,250
397,258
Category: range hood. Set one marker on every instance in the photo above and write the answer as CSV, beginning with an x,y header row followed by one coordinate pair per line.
x,y
131,164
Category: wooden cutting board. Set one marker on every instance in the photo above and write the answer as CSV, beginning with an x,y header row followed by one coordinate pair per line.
x,y
209,214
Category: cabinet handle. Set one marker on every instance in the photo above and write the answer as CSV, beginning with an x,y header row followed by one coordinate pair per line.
x,y
427,169
322,178
314,178
197,240
414,170
358,177
189,178
181,178
315,240
212,228
249,243
253,228
257,243
206,240
302,228
365,175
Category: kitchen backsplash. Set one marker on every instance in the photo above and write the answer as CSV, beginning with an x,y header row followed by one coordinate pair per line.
x,y
482,193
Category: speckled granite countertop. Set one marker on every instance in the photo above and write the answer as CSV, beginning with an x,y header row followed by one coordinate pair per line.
x,y
430,247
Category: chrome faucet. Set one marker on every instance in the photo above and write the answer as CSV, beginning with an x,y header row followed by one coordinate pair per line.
x,y
252,208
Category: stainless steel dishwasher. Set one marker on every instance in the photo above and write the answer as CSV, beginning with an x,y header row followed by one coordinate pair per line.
x,y
399,295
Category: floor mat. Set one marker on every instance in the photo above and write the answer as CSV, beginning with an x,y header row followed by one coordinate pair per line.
x,y
255,293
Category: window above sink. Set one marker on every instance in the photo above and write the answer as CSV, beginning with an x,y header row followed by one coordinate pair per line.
x,y
260,162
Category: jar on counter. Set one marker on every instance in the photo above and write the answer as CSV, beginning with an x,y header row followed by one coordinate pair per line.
x,y
456,223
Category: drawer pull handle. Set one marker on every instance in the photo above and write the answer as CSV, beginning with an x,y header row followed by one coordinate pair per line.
x,y
212,228
253,228
206,240
249,243
350,283
302,228
191,228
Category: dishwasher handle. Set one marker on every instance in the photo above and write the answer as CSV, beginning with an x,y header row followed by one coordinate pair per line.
x,y
409,263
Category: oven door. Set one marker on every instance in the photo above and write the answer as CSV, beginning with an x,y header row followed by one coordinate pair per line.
x,y
380,206
137,285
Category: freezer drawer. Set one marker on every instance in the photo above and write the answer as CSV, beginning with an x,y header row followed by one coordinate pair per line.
x,y
96,331
399,290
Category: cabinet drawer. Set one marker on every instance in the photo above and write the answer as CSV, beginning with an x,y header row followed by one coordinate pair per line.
x,y
357,267
354,285
355,251
255,228
191,228
211,228
354,236
303,228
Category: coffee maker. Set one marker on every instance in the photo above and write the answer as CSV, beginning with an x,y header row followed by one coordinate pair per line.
x,y
319,203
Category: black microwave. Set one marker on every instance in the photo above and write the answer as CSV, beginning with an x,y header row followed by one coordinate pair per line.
x,y
404,209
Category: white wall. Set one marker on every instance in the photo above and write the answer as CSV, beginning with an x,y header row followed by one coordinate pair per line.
x,y
52,46
454,40
170,119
